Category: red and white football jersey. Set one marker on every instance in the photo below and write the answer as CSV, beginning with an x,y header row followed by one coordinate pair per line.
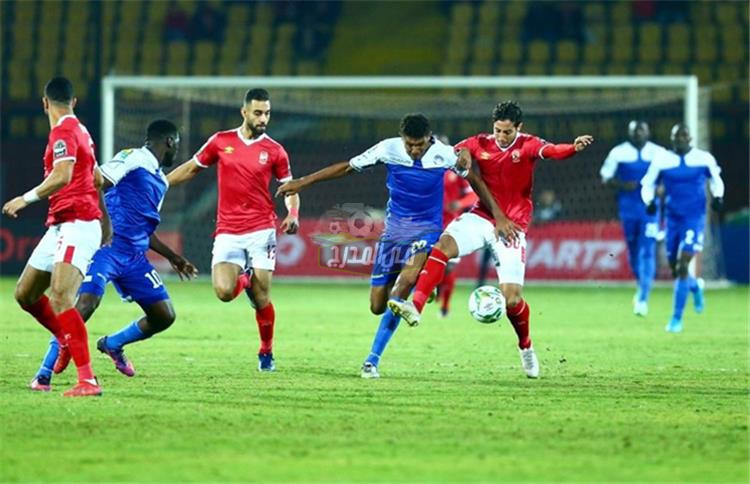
x,y
245,167
507,172
69,140
457,196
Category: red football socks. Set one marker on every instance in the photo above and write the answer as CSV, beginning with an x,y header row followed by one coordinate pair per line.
x,y
243,281
446,290
519,319
78,342
429,278
265,317
42,312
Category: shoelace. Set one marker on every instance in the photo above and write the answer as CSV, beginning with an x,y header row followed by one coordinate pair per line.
x,y
528,358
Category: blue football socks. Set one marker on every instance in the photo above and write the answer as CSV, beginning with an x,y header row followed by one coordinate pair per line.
x,y
129,334
388,324
49,359
646,271
681,289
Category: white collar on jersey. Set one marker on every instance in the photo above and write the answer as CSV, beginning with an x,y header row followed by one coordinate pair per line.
x,y
60,121
518,133
248,142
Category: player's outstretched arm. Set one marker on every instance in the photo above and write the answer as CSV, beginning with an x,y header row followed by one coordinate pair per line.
x,y
290,225
183,267
503,225
337,170
563,151
61,175
183,173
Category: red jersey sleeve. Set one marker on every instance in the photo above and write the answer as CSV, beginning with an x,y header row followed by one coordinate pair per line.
x,y
63,144
281,169
470,144
208,154
533,147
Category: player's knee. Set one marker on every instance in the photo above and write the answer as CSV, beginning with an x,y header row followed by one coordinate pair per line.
x,y
377,307
164,320
86,305
23,297
681,270
261,299
224,293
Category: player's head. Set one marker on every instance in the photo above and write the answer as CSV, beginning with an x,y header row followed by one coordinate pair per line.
x,y
163,138
416,133
58,92
680,137
638,132
256,111
507,120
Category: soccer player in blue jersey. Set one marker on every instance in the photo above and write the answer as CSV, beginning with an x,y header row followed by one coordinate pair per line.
x,y
415,163
135,187
683,173
624,167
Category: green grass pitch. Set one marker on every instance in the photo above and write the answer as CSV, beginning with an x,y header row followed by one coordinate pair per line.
x,y
619,399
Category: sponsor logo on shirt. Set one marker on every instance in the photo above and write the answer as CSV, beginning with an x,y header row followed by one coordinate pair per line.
x,y
263,157
59,149
229,150
515,156
484,155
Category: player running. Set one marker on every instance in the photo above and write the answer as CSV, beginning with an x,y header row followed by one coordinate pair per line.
x,y
416,163
506,161
683,172
135,186
624,167
74,232
458,197
244,251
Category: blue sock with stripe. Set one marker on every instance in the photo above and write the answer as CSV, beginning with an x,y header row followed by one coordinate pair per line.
x,y
681,289
388,324
49,359
129,334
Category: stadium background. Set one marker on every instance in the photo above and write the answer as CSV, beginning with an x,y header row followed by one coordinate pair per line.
x,y
88,40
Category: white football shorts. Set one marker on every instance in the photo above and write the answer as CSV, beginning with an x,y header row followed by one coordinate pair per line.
x,y
256,249
72,242
472,232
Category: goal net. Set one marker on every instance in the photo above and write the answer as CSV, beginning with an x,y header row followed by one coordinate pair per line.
x,y
325,120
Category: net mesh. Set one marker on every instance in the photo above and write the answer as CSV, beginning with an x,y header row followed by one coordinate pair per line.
x,y
322,126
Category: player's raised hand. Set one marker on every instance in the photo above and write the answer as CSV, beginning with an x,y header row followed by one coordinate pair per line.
x,y
507,230
463,163
290,225
582,142
183,267
12,207
292,187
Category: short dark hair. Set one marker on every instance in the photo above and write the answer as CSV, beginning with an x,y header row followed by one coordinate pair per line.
x,y
508,110
256,95
415,125
59,89
160,129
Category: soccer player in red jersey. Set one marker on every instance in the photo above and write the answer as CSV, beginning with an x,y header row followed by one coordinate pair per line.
x,y
244,251
458,197
60,259
506,161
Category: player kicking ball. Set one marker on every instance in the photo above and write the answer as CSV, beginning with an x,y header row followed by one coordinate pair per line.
x,y
683,172
416,162
135,187
506,161
244,252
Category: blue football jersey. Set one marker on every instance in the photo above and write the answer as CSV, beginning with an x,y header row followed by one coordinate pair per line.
x,y
684,179
627,163
415,187
135,199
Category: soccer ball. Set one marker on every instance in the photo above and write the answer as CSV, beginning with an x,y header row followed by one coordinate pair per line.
x,y
360,224
334,227
487,304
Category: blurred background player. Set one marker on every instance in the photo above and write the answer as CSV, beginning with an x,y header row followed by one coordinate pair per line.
x,y
683,173
244,252
74,234
506,161
624,167
458,197
135,187
416,163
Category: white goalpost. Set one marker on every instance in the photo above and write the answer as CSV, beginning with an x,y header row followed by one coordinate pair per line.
x,y
325,118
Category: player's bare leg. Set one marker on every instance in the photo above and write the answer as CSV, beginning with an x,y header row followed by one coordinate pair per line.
x,y
379,298
64,284
225,280
265,316
429,278
518,313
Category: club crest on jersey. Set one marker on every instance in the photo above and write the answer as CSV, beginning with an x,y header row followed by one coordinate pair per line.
x,y
59,148
263,157
516,156
484,155
229,150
